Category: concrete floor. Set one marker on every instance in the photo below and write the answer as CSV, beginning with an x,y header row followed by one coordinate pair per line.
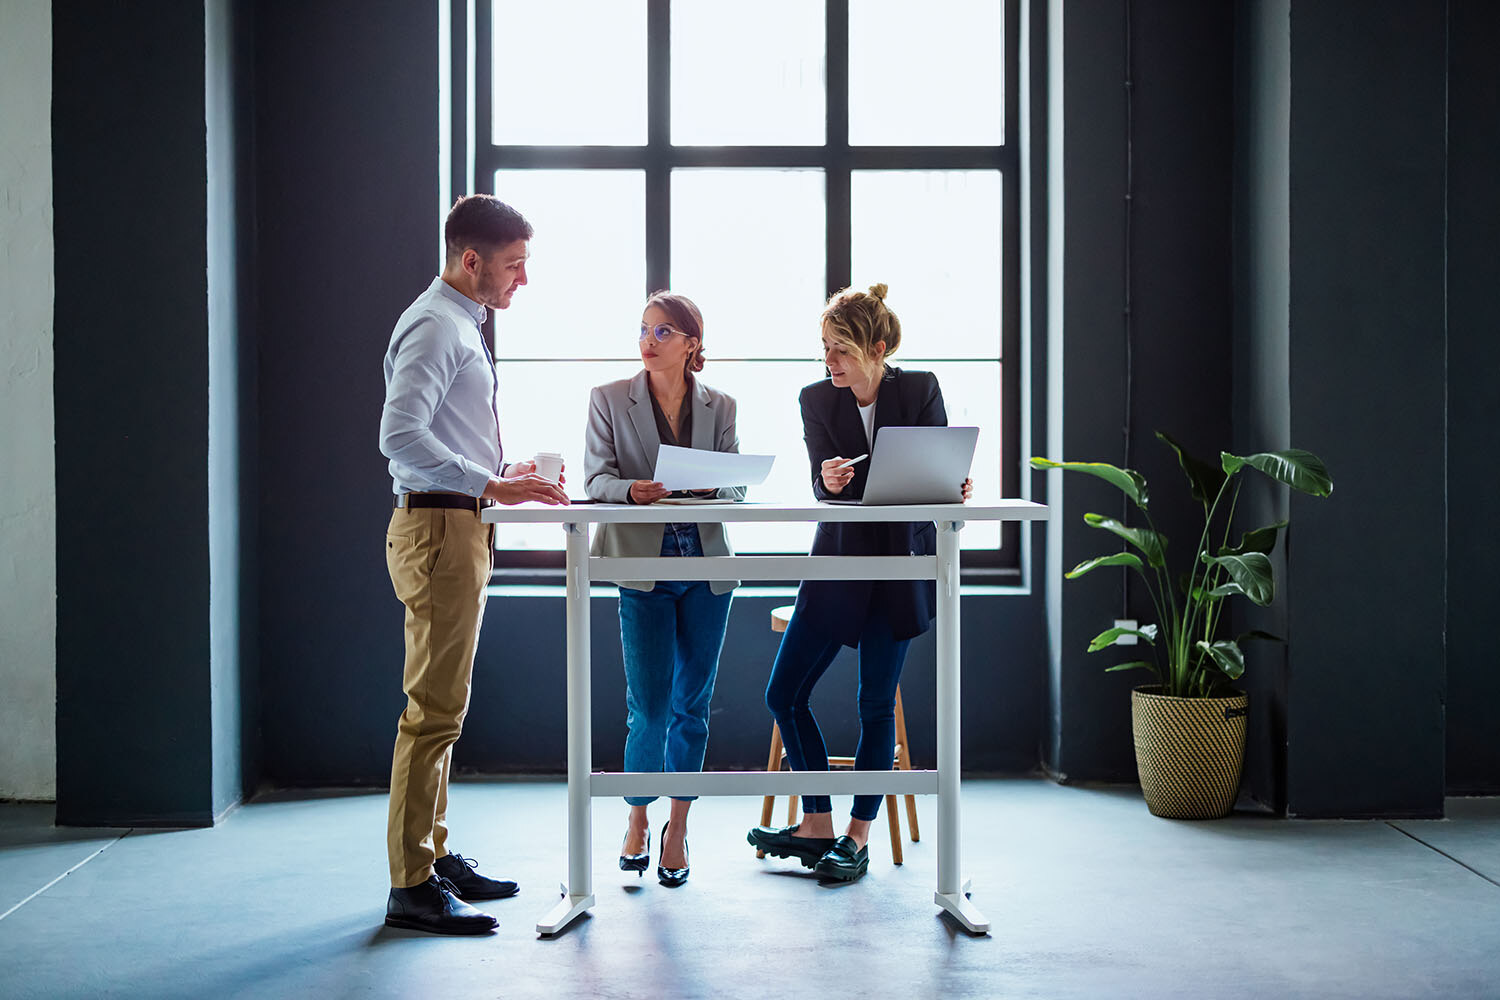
x,y
1089,896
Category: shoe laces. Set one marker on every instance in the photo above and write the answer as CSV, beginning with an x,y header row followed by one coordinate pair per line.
x,y
447,885
463,860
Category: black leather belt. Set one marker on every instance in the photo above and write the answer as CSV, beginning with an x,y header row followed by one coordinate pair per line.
x,y
446,501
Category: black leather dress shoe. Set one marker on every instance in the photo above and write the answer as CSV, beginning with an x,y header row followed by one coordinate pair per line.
x,y
673,877
637,863
783,842
434,906
470,884
844,862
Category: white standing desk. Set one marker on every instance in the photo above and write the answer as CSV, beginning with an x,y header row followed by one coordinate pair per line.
x,y
583,784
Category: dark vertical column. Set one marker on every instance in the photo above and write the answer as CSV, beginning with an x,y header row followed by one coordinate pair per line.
x,y
132,397
1091,711
1262,408
1366,575
1473,688
346,164
1171,373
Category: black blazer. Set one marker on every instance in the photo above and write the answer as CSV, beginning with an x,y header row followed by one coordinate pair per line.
x,y
831,426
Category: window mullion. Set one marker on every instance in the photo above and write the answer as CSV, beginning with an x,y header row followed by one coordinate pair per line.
x,y
485,160
658,144
837,163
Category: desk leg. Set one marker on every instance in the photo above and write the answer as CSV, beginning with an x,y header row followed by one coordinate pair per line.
x,y
951,895
578,894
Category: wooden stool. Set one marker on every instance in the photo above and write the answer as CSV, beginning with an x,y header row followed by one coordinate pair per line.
x,y
776,761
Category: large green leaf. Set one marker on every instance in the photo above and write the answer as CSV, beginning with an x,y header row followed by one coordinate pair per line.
x,y
1259,540
1151,544
1204,479
1118,559
1128,481
1251,576
1256,633
1226,655
1301,470
1133,665
1107,638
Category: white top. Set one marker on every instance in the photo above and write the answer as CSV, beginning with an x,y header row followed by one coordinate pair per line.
x,y
867,414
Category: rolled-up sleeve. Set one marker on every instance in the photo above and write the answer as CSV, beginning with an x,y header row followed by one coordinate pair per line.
x,y
423,365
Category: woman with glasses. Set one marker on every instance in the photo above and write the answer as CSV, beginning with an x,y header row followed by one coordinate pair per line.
x,y
671,631
840,417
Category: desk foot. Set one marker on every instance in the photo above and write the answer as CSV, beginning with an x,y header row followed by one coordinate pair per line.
x,y
564,912
963,909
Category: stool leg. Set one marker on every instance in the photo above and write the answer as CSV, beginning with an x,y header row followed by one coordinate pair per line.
x,y
911,800
895,824
773,763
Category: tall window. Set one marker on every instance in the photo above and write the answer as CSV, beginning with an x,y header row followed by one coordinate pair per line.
x,y
755,156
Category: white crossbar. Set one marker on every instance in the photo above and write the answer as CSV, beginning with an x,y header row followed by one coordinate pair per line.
x,y
616,783
763,568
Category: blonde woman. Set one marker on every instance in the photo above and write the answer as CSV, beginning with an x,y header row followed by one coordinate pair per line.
x,y
840,417
671,631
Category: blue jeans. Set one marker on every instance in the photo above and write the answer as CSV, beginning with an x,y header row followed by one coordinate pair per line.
x,y
671,637
805,654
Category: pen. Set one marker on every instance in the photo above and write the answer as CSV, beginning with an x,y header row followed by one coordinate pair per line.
x,y
851,462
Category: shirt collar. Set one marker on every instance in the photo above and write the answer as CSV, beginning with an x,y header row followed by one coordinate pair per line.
x,y
468,305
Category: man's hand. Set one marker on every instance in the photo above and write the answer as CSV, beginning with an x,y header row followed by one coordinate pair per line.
x,y
528,487
527,467
835,479
644,491
968,490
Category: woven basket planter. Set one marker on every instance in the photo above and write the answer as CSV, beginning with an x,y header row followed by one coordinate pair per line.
x,y
1188,752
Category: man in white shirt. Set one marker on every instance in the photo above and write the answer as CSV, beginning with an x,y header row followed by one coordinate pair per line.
x,y
440,428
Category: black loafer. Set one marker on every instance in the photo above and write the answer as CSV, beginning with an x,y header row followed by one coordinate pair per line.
x,y
843,862
784,843
434,906
469,884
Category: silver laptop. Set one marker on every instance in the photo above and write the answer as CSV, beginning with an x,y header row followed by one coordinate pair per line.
x,y
918,465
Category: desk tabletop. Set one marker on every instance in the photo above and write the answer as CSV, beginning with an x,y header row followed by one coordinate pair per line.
x,y
661,513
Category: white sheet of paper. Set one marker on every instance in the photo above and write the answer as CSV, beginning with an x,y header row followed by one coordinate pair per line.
x,y
696,469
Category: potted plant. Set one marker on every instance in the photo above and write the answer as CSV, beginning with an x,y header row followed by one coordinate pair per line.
x,y
1190,725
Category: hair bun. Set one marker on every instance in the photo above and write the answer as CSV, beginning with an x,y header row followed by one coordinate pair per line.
x,y
879,290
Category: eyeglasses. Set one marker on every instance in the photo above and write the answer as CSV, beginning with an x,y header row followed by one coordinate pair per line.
x,y
661,332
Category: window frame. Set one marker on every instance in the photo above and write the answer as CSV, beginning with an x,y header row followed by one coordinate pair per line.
x,y
475,159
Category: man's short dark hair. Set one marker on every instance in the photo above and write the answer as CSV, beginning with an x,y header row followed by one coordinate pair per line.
x,y
483,222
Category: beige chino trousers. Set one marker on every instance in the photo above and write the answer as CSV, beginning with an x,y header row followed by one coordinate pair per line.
x,y
440,562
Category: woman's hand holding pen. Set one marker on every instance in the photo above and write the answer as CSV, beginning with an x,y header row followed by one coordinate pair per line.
x,y
837,472
644,491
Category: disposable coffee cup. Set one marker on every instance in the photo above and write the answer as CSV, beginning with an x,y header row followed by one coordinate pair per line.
x,y
549,465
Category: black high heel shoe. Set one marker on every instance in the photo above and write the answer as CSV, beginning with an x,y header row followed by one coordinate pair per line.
x,y
673,877
637,863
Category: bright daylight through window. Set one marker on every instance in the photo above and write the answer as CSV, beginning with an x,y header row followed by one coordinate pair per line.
x,y
754,156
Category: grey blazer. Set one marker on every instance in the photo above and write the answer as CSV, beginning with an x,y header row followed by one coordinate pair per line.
x,y
622,446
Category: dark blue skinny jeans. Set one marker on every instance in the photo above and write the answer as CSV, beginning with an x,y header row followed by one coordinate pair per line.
x,y
671,636
805,654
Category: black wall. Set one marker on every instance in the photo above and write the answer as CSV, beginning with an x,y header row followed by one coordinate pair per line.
x,y
1473,752
1307,151
1170,148
348,221
1262,411
1365,181
135,740
1366,567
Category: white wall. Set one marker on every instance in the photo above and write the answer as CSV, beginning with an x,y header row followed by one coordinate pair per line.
x,y
28,488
